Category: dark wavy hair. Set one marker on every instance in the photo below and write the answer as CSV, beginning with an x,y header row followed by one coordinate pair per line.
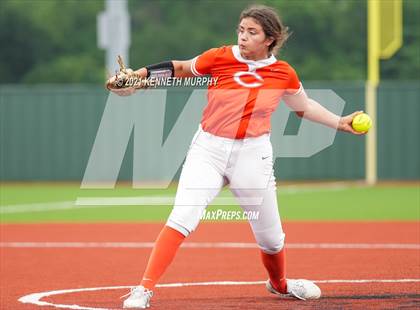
x,y
271,23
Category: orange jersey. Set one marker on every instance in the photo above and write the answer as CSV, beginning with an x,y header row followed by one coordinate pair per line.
x,y
247,92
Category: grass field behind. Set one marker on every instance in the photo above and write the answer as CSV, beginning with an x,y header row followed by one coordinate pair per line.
x,y
329,202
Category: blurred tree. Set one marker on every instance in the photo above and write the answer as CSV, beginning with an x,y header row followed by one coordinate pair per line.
x,y
181,29
50,41
23,44
54,41
328,38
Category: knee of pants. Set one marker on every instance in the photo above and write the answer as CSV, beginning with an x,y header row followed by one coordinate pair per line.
x,y
178,227
185,219
272,244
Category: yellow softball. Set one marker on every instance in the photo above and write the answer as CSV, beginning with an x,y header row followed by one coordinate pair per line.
x,y
361,122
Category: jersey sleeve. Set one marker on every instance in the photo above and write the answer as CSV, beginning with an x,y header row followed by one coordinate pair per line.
x,y
295,86
202,64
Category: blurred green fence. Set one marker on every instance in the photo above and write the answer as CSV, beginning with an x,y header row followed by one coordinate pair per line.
x,y
47,133
399,130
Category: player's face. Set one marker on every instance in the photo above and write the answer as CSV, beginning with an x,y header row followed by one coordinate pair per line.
x,y
252,41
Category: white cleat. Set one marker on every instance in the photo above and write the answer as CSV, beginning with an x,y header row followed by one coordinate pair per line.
x,y
303,289
139,298
300,289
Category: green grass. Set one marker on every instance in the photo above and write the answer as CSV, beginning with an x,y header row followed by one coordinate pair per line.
x,y
323,203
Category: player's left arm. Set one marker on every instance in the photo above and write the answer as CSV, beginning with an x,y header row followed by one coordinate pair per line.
x,y
181,68
310,109
138,77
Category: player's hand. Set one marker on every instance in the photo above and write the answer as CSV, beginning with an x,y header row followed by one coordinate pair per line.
x,y
125,82
118,84
345,124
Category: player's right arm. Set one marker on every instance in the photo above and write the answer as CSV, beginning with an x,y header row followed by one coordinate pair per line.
x,y
296,98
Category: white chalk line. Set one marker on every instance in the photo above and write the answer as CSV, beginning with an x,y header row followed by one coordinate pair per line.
x,y
35,298
154,201
221,200
99,202
206,245
37,207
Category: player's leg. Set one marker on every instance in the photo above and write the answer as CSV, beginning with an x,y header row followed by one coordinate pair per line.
x,y
268,232
253,178
200,181
270,238
252,182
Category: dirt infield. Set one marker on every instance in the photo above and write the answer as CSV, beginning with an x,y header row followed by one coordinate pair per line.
x,y
337,255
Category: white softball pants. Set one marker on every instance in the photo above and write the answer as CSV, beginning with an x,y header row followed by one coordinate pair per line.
x,y
247,166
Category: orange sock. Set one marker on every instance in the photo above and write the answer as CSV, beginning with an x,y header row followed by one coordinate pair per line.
x,y
276,267
166,246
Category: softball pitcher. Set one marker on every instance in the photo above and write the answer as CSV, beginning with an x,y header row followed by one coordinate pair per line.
x,y
232,145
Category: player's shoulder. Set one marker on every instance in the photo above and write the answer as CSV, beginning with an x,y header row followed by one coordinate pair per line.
x,y
283,66
224,50
226,54
221,55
